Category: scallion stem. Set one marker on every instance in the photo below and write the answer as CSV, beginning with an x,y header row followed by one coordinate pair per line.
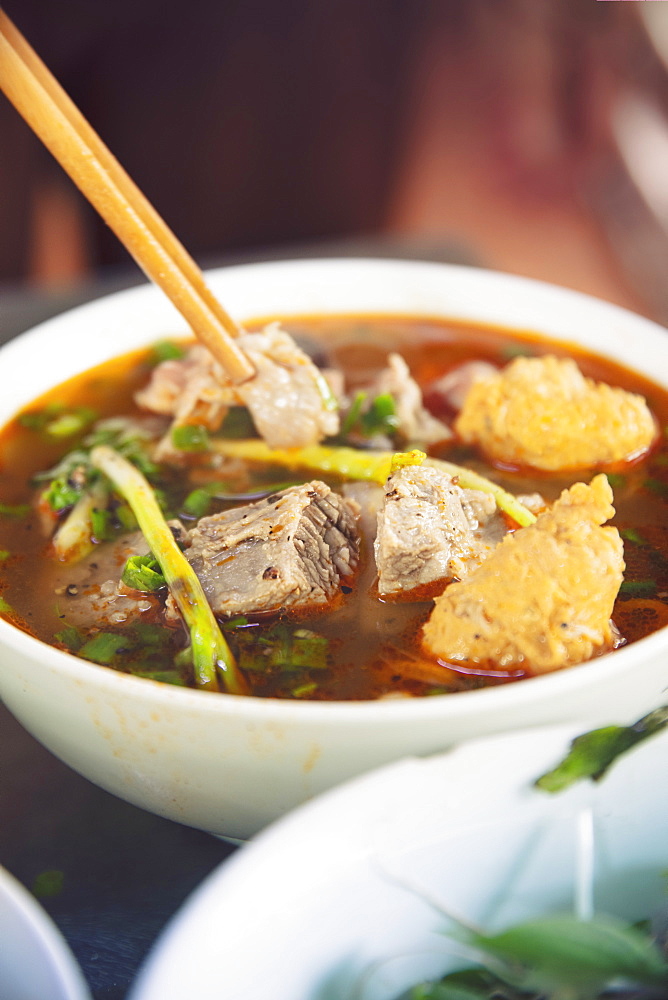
x,y
352,463
212,657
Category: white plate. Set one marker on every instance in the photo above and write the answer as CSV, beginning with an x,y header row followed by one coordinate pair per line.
x,y
35,961
332,901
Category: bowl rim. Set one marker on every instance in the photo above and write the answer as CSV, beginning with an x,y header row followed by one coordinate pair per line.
x,y
328,822
45,937
526,691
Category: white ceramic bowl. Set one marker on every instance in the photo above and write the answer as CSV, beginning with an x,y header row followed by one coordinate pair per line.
x,y
340,899
35,961
230,765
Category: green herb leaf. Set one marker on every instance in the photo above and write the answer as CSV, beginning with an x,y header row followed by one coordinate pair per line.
x,y
4,554
472,984
593,753
190,437
143,573
562,952
70,637
104,647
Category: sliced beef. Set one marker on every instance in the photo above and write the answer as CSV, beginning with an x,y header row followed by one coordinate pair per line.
x,y
292,549
287,396
289,399
430,530
414,423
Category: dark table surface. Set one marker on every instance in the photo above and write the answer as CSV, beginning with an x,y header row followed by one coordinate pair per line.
x,y
124,871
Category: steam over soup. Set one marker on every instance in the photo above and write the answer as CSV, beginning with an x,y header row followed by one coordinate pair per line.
x,y
445,507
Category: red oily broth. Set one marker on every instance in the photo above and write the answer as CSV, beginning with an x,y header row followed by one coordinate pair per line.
x,y
364,648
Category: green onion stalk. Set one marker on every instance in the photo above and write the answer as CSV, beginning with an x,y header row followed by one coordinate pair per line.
x,y
376,466
212,657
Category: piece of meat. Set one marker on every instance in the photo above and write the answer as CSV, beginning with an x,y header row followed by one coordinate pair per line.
x,y
447,393
544,597
288,396
431,531
414,423
289,399
292,549
543,413
192,389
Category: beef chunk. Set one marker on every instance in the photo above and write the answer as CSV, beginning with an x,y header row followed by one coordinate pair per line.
x,y
430,530
289,550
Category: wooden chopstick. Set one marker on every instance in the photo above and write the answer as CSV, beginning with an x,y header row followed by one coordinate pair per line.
x,y
56,120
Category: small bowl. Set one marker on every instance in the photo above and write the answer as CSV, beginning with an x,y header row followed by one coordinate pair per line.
x,y
231,765
35,961
347,896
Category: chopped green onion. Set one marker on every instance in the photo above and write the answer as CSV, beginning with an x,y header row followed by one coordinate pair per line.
x,y
74,538
381,417
631,535
283,648
212,656
4,554
60,495
190,437
162,676
143,573
238,423
71,422
638,588
5,608
100,522
303,690
48,884
57,421
617,481
656,486
198,502
15,509
354,413
167,350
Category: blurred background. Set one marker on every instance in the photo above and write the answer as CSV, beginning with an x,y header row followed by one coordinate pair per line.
x,y
528,137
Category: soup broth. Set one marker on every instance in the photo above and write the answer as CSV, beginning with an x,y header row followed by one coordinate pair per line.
x,y
359,646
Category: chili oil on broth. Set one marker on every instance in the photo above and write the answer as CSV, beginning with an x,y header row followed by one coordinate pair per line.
x,y
365,648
